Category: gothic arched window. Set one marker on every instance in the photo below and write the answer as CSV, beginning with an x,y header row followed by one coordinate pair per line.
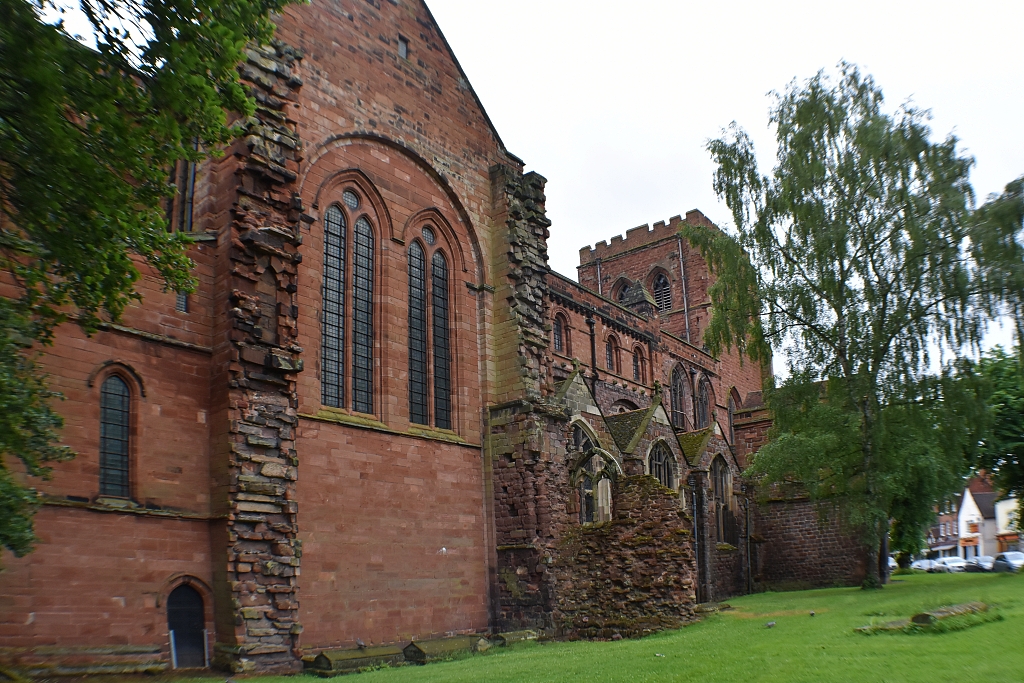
x,y
561,334
332,355
417,335
611,354
639,366
659,464
702,415
115,419
678,395
342,335
593,486
662,293
430,357
442,343
726,529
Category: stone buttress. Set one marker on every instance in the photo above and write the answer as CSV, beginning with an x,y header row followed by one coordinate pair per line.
x,y
256,560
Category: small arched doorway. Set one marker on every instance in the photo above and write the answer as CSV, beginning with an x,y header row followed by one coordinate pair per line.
x,y
186,622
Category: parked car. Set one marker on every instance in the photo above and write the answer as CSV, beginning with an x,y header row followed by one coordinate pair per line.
x,y
949,564
922,565
893,564
980,564
1008,562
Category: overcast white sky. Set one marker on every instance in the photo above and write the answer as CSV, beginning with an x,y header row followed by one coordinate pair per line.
x,y
613,102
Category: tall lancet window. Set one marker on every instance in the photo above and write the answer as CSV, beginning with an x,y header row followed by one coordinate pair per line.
x,y
417,335
347,333
332,355
430,338
115,414
442,343
362,336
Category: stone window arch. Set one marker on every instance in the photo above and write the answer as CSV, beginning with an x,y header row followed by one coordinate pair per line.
x,y
611,354
639,365
430,347
726,528
703,404
660,464
560,335
348,332
679,389
662,290
591,477
620,289
115,437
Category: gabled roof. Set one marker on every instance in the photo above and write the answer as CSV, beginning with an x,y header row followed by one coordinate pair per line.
x,y
468,85
986,503
627,428
693,444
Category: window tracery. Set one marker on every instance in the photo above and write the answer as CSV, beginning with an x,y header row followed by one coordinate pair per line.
x,y
430,358
659,464
662,293
591,478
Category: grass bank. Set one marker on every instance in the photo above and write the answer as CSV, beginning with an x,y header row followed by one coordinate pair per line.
x,y
737,646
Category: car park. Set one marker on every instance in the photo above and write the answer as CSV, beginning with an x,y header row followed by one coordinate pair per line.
x,y
980,564
1011,561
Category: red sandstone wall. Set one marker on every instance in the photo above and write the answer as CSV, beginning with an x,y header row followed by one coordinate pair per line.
x,y
100,579
376,511
795,548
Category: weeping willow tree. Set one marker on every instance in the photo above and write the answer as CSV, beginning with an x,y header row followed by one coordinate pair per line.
x,y
853,258
87,138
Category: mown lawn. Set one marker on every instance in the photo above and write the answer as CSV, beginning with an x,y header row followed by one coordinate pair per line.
x,y
737,646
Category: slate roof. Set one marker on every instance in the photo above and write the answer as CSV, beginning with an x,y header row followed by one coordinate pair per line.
x,y
986,504
624,426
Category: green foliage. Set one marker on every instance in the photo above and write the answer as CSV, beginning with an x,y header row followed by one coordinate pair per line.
x,y
87,140
997,239
853,258
1002,450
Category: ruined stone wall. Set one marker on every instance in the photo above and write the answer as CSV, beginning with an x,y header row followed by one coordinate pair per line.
x,y
795,547
256,554
629,576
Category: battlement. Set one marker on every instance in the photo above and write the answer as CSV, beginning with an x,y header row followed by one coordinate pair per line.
x,y
640,236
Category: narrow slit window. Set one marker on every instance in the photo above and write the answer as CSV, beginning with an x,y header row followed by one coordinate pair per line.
x,y
403,47
417,336
609,355
332,355
362,329
115,412
181,302
442,343
558,332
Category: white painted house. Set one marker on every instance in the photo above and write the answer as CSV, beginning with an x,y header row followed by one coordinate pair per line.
x,y
977,524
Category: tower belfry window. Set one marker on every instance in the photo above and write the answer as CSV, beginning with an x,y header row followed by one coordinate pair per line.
x,y
662,293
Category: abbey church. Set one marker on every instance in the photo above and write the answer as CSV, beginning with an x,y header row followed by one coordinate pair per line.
x,y
381,417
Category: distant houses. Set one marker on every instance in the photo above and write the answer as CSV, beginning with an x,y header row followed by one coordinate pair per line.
x,y
976,523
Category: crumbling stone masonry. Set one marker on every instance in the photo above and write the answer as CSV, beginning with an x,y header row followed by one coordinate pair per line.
x,y
257,616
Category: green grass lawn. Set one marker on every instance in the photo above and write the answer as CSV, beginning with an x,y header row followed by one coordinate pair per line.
x,y
736,645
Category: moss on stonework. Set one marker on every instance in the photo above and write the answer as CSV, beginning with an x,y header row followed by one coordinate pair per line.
x,y
693,443
512,583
